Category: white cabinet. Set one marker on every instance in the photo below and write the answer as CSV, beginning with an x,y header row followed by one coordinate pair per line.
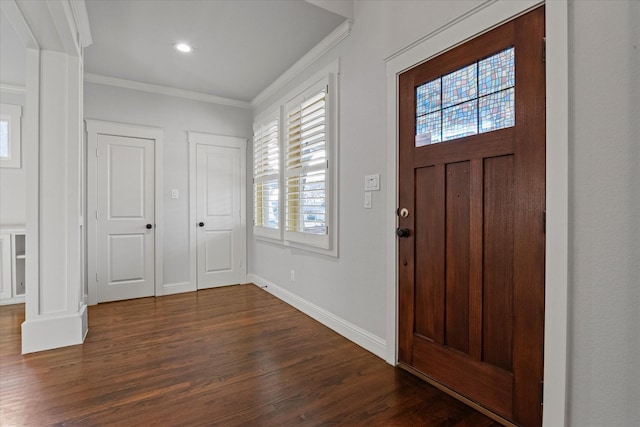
x,y
12,258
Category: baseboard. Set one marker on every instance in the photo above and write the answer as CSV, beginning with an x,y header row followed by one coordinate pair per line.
x,y
54,332
359,336
177,288
14,300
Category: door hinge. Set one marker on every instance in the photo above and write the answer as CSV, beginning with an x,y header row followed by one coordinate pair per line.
x,y
544,49
541,393
96,151
96,214
544,221
96,277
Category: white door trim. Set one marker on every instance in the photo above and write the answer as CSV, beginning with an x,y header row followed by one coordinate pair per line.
x,y
99,127
196,138
479,20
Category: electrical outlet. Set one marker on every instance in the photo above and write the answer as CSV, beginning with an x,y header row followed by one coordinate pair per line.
x,y
174,193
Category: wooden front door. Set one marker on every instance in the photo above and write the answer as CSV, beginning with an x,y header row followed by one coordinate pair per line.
x,y
471,219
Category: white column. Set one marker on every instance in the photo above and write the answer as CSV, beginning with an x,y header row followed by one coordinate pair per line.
x,y
55,314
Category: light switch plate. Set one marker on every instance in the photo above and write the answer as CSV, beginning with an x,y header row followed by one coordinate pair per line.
x,y
372,182
367,200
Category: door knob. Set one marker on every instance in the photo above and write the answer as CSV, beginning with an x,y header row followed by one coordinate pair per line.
x,y
402,232
201,224
149,226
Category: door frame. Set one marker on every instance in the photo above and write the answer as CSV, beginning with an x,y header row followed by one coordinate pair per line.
x,y
197,138
478,20
100,127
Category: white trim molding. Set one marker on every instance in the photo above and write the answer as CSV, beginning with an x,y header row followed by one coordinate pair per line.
x,y
354,333
335,37
478,20
9,88
99,127
177,288
53,332
164,90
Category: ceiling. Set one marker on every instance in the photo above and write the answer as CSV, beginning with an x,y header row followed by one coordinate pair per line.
x,y
240,46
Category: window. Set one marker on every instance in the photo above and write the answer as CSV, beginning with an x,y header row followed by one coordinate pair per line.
x,y
475,99
306,167
266,177
10,135
294,162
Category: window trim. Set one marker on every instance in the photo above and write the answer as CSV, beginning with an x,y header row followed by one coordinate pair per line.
x,y
329,245
12,114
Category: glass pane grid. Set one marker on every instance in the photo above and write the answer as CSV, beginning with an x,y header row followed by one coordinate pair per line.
x,y
497,110
474,99
497,72
460,120
460,86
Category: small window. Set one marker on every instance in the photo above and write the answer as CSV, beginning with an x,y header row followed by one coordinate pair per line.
x,y
10,139
266,177
475,99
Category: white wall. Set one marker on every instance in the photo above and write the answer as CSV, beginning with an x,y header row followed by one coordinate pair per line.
x,y
604,233
12,72
176,116
604,372
12,180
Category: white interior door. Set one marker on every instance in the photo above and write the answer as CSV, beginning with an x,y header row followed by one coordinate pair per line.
x,y
125,218
219,234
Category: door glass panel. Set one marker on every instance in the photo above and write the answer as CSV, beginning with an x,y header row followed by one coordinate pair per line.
x,y
497,111
460,86
460,120
428,129
497,72
428,97
475,99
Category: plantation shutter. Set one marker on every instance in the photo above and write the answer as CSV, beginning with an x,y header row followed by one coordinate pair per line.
x,y
306,163
266,177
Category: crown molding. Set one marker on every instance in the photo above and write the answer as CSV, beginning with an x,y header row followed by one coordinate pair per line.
x,y
81,17
164,90
335,37
9,88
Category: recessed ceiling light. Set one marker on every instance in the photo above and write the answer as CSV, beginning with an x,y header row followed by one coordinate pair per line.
x,y
183,47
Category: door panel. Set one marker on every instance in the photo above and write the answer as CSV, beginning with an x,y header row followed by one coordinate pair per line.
x,y
125,207
219,249
471,271
219,239
126,257
498,262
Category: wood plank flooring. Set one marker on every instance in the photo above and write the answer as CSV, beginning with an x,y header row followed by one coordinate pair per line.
x,y
233,356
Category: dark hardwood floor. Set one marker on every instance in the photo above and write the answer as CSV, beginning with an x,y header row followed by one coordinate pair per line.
x,y
228,357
